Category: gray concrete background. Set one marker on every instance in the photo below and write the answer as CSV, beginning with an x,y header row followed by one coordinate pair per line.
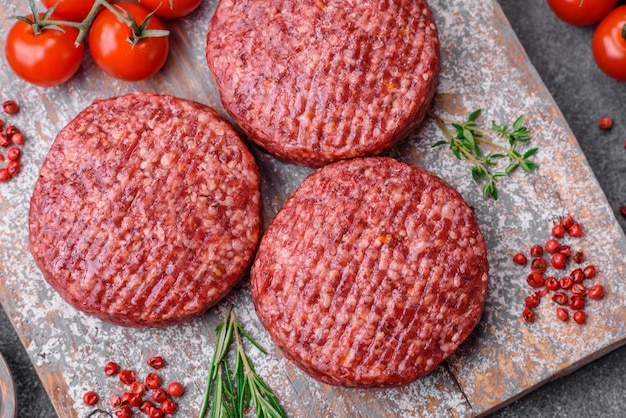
x,y
562,55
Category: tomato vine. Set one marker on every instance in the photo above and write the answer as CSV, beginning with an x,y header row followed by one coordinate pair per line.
x,y
47,50
45,21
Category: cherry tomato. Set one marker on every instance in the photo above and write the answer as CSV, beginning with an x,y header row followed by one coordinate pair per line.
x,y
74,10
581,12
119,58
609,44
47,59
171,8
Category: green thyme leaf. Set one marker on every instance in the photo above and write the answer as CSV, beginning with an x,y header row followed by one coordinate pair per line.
x,y
509,169
472,116
466,141
530,153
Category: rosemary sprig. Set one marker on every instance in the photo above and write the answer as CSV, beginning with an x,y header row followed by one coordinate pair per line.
x,y
465,141
232,394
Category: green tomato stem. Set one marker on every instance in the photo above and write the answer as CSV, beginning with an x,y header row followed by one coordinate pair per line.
x,y
41,23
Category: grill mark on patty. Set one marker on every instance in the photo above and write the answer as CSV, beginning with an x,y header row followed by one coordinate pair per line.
x,y
345,297
138,239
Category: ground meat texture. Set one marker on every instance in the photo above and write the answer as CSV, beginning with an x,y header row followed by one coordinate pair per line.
x,y
371,274
315,82
146,211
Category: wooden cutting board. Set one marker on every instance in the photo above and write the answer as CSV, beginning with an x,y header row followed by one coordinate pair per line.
x,y
483,66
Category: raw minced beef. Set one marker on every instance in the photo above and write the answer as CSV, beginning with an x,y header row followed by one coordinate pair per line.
x,y
371,274
315,82
146,211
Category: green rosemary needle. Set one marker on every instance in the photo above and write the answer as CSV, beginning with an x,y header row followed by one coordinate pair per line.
x,y
230,395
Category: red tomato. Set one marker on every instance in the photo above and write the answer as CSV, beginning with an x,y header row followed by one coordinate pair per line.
x,y
119,58
581,12
609,44
47,59
171,8
74,10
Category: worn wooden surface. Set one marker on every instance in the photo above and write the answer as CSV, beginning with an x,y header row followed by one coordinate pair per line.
x,y
483,65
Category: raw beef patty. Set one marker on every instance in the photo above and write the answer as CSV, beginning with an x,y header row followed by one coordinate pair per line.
x,y
146,211
318,81
371,274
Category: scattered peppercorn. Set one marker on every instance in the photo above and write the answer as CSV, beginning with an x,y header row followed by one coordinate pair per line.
x,y
580,317
536,250
137,388
535,280
134,400
521,259
111,368
596,292
539,265
159,395
531,301
124,412
566,250
570,291
560,298
10,107
115,401
558,231
558,261
590,271
575,230
145,406
577,275
156,413
11,130
4,175
579,289
13,167
168,406
566,282
10,135
18,138
133,397
577,303
90,398
605,123
552,283
562,314
5,141
14,154
153,381
578,257
175,389
567,221
156,362
127,376
528,315
551,246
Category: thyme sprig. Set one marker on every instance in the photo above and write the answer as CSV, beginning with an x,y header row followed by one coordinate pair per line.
x,y
231,394
466,138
